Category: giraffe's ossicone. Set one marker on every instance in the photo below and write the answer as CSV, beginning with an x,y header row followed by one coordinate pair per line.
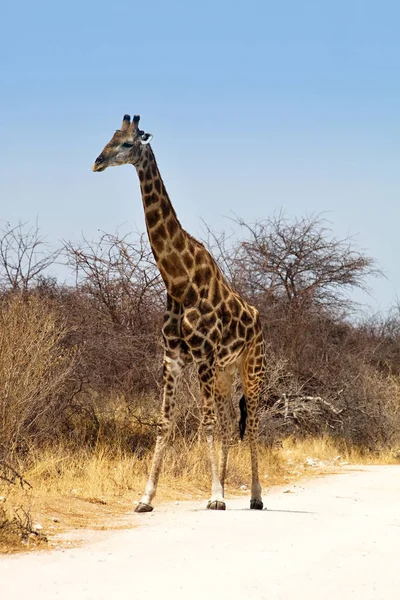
x,y
205,321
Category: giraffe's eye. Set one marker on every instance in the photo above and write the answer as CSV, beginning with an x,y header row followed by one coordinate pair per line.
x,y
127,145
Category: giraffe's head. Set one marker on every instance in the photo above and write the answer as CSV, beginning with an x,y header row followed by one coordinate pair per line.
x,y
124,147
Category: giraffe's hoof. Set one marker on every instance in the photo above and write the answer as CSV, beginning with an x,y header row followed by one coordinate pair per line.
x,y
256,504
216,505
141,508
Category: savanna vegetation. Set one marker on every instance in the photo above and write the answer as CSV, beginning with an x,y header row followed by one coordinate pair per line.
x,y
80,368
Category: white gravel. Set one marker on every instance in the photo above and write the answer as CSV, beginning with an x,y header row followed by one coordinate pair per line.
x,y
335,537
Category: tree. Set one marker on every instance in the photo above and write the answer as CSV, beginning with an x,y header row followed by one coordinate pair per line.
x,y
298,261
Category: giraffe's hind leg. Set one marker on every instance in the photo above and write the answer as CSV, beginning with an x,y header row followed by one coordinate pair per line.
x,y
226,416
252,374
206,371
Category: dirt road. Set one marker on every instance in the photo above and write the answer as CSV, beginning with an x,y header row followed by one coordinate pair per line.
x,y
329,538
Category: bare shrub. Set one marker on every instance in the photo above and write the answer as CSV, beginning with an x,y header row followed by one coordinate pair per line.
x,y
16,526
117,307
383,335
35,368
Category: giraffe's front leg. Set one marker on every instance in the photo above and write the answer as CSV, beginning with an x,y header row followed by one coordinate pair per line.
x,y
172,368
206,372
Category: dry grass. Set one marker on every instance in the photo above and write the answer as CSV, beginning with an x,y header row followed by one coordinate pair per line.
x,y
97,489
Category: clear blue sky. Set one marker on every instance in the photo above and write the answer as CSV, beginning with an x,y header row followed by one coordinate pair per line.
x,y
254,107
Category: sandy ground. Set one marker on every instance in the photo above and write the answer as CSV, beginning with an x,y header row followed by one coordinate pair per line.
x,y
332,537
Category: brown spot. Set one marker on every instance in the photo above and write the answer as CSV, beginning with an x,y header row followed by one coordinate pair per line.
x,y
141,175
147,175
173,344
173,265
207,347
198,278
241,329
236,345
197,352
195,340
147,188
234,306
152,217
250,332
154,169
208,321
187,259
207,273
225,292
165,207
157,185
160,231
202,276
178,289
206,306
216,299
192,315
170,329
158,244
172,227
214,335
199,256
179,242
223,352
191,296
203,368
226,317
246,318
228,339
150,199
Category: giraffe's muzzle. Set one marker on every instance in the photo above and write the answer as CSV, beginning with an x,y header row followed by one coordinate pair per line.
x,y
99,164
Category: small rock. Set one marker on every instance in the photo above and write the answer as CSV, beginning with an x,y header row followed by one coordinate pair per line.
x,y
176,503
243,487
55,520
37,527
337,458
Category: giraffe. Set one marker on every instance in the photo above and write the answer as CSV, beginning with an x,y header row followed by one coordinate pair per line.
x,y
205,322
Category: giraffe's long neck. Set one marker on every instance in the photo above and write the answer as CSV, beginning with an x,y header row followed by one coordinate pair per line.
x,y
169,242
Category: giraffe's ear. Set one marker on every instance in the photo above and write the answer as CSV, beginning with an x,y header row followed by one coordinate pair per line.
x,y
146,138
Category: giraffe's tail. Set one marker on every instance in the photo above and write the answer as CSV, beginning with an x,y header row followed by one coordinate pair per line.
x,y
243,416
